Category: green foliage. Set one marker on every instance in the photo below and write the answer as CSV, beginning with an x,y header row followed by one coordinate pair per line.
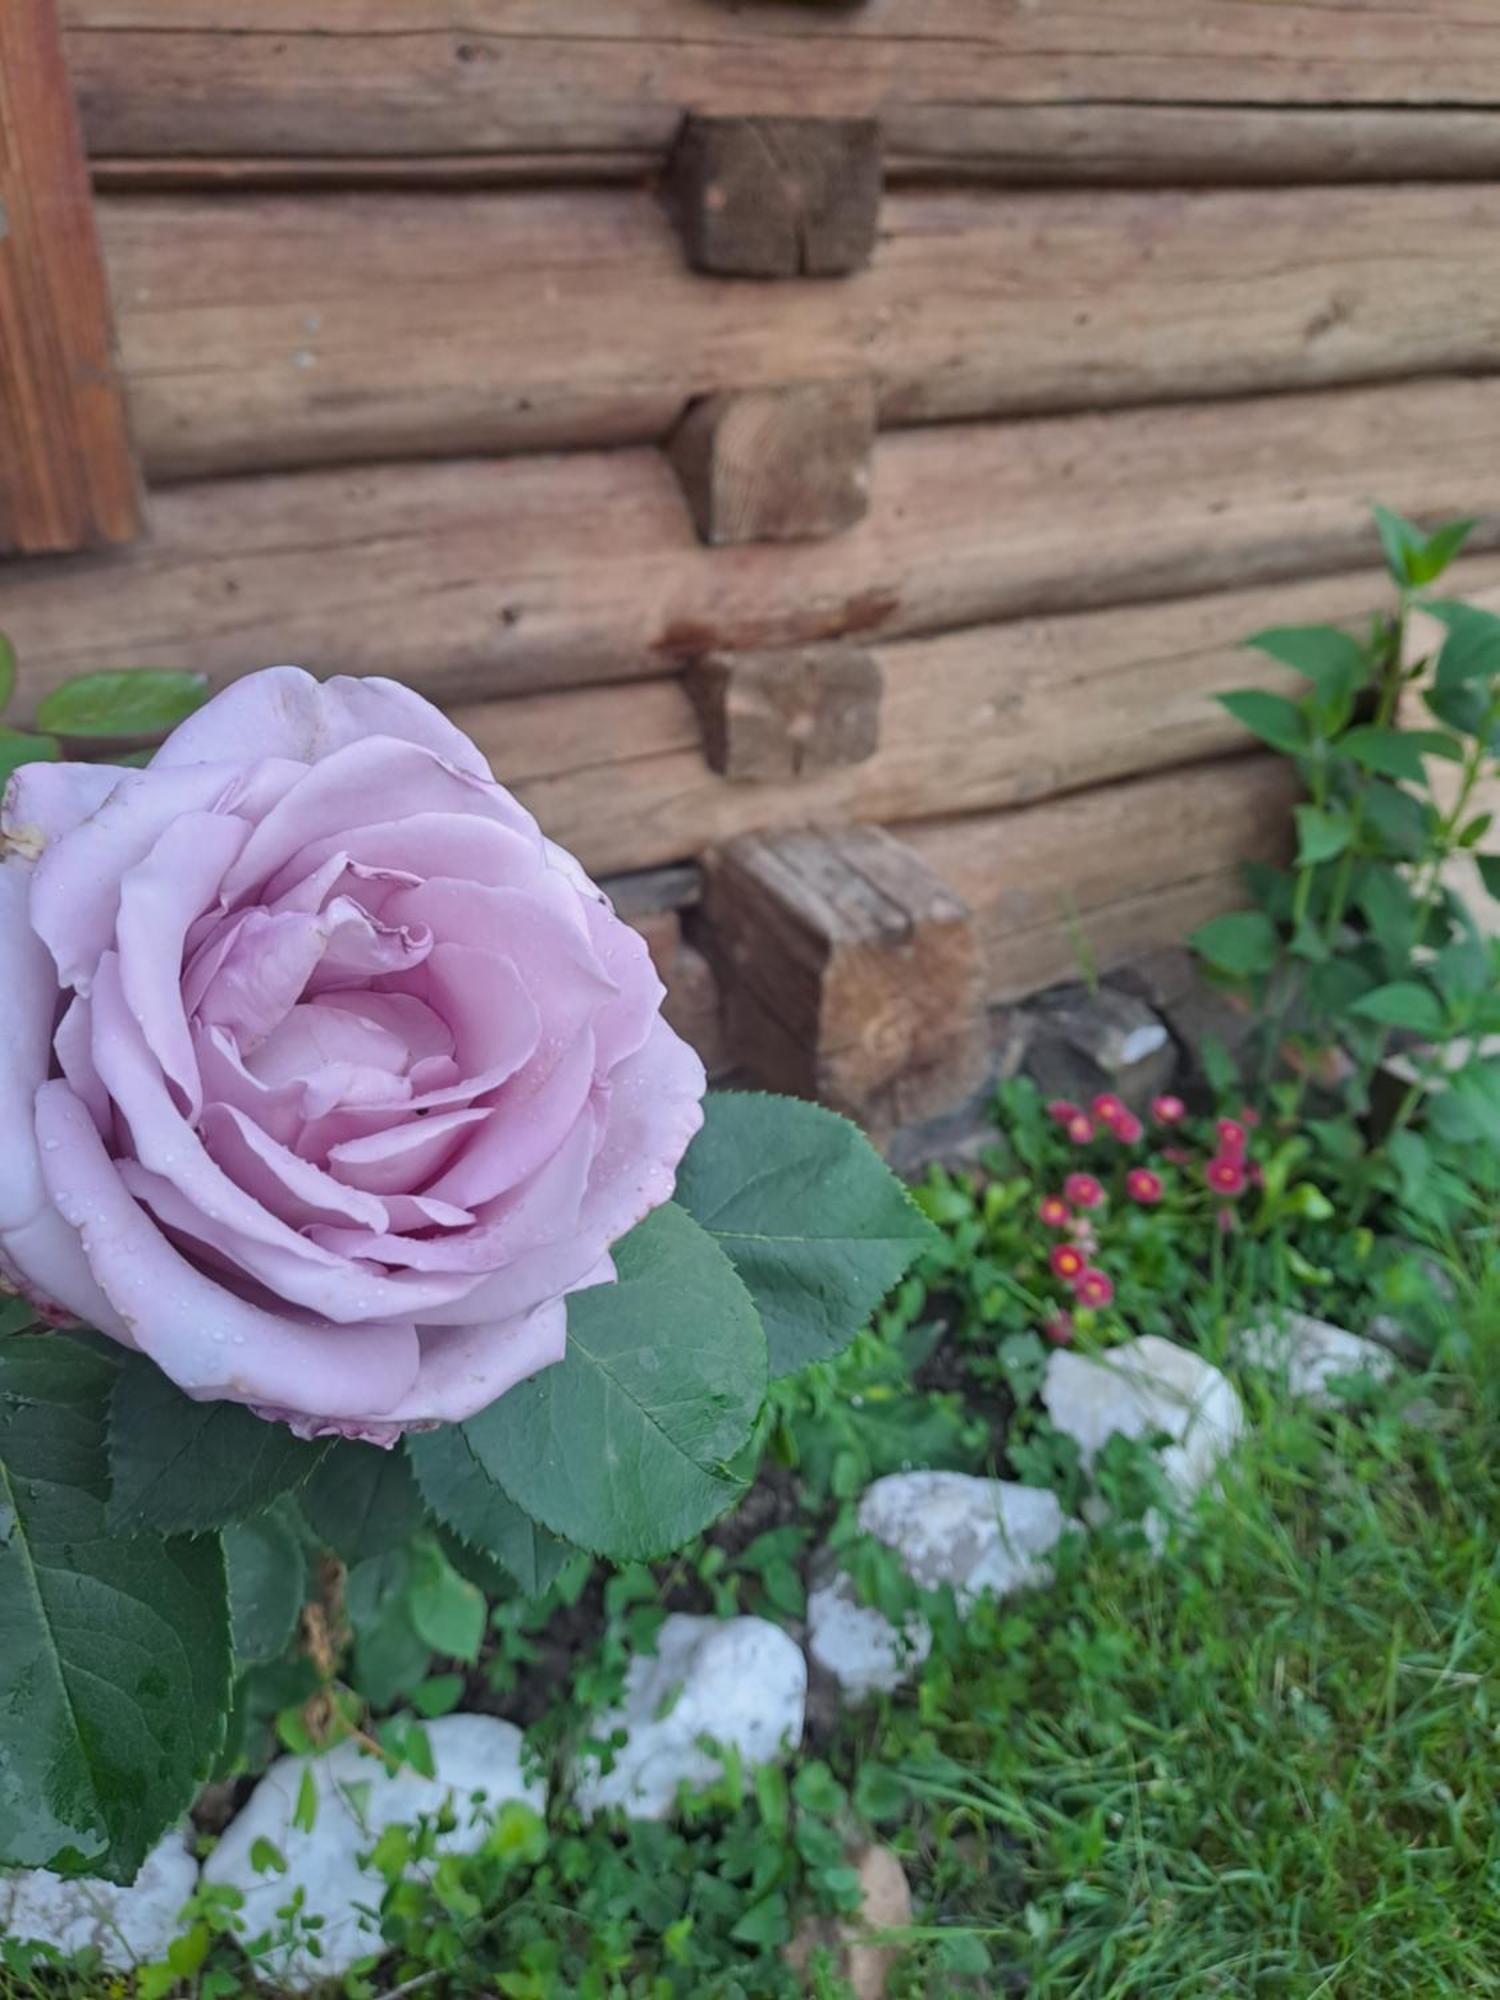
x,y
267,1567
136,702
177,1467
1362,947
114,1653
819,1231
362,1501
626,1447
139,701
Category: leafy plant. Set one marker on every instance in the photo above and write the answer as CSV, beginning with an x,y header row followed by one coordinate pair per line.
x,y
125,1500
1362,950
135,701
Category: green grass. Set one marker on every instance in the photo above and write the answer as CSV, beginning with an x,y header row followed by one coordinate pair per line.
x,y
1268,1764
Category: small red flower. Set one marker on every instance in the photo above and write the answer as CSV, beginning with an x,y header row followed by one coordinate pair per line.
x,y
1066,1262
1059,1329
1177,1156
1168,1110
1233,1138
1108,1107
1062,1111
1144,1186
1053,1212
1093,1288
1225,1176
1228,1221
1249,1116
1083,1191
1081,1129
1128,1128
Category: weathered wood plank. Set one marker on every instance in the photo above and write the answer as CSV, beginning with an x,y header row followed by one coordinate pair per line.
x,y
1002,144
1085,882
394,76
1187,145
67,479
272,331
852,974
487,577
989,717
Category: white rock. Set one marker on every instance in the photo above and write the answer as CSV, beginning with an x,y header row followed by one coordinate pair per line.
x,y
357,1798
1143,1386
126,1926
1308,1353
740,1681
859,1645
979,1535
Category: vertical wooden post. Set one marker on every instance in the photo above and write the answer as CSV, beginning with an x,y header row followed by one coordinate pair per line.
x,y
67,480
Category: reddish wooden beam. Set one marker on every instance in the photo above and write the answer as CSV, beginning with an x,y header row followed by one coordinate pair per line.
x,y
67,479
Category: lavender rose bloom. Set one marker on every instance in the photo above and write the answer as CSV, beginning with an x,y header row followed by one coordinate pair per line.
x,y
324,1077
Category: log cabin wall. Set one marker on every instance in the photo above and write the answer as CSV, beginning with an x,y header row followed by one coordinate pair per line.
x,y
760,417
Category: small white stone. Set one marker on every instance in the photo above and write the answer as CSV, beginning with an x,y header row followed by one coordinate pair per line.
x,y
859,1645
981,1536
126,1926
357,1798
740,1681
1143,1386
1308,1353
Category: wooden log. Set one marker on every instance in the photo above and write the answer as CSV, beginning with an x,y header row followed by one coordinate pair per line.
x,y
789,715
477,577
789,464
1003,145
851,974
778,197
1077,885
1186,145
993,716
163,77
694,1007
67,479
271,331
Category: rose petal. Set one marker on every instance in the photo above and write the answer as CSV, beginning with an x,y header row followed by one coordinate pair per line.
x,y
73,1046
456,845
44,801
335,795
466,1368
76,895
159,898
26,1018
402,1159
209,1342
281,1180
284,712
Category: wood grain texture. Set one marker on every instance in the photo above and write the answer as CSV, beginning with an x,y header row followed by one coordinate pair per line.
x,y
852,974
67,480
444,76
787,464
1001,144
989,717
484,578
269,331
778,197
786,716
1091,880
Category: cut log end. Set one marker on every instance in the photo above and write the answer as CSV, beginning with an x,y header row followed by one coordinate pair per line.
x,y
771,717
854,975
778,197
785,464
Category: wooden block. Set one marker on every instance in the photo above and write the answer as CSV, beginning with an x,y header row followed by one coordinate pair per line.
x,y
852,974
693,1007
777,465
662,930
779,716
778,197
67,480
